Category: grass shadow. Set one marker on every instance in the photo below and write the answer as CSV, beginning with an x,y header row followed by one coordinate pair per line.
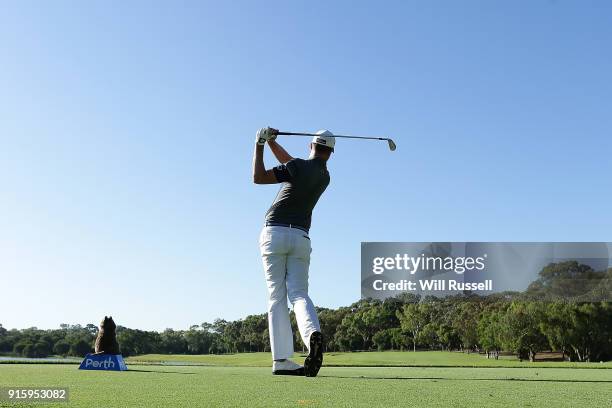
x,y
130,370
466,379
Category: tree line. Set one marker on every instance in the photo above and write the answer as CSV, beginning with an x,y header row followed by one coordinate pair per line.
x,y
520,323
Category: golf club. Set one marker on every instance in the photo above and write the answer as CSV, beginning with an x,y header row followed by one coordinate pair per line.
x,y
392,145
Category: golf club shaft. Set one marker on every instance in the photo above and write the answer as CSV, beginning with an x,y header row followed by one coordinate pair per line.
x,y
344,136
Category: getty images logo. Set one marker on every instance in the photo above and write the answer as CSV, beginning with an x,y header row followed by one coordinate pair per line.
x,y
105,364
412,264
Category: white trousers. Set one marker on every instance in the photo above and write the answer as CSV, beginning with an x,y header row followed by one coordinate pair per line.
x,y
285,253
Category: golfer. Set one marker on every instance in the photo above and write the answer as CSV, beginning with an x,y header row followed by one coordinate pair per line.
x,y
285,246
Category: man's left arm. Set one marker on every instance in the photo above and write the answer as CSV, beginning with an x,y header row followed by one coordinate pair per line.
x,y
260,174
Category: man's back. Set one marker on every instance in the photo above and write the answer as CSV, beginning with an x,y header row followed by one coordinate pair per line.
x,y
303,183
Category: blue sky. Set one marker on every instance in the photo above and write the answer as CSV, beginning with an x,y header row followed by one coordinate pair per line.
x,y
126,135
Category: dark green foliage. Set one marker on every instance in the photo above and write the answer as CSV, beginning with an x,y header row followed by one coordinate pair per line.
x,y
80,348
569,279
61,348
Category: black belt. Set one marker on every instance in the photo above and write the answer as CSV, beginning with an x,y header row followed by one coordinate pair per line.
x,y
281,224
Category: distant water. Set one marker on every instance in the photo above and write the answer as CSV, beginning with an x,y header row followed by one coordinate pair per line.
x,y
41,360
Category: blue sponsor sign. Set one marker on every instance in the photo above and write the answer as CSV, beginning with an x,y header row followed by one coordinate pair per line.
x,y
107,362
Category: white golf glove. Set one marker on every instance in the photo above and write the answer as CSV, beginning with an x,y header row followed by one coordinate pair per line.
x,y
265,134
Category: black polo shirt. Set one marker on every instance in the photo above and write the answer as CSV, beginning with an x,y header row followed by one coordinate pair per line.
x,y
303,183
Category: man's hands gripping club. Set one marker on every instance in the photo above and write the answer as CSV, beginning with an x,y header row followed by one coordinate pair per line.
x,y
265,135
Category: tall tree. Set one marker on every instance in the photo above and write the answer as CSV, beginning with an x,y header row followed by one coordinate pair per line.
x,y
413,319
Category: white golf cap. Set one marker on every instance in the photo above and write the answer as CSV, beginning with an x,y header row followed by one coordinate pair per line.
x,y
325,138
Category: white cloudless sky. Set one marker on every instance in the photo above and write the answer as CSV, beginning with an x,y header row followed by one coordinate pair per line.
x,y
126,137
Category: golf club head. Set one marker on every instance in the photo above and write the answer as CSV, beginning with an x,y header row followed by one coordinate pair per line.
x,y
392,145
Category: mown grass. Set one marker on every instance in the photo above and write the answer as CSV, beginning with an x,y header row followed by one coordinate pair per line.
x,y
204,386
364,359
